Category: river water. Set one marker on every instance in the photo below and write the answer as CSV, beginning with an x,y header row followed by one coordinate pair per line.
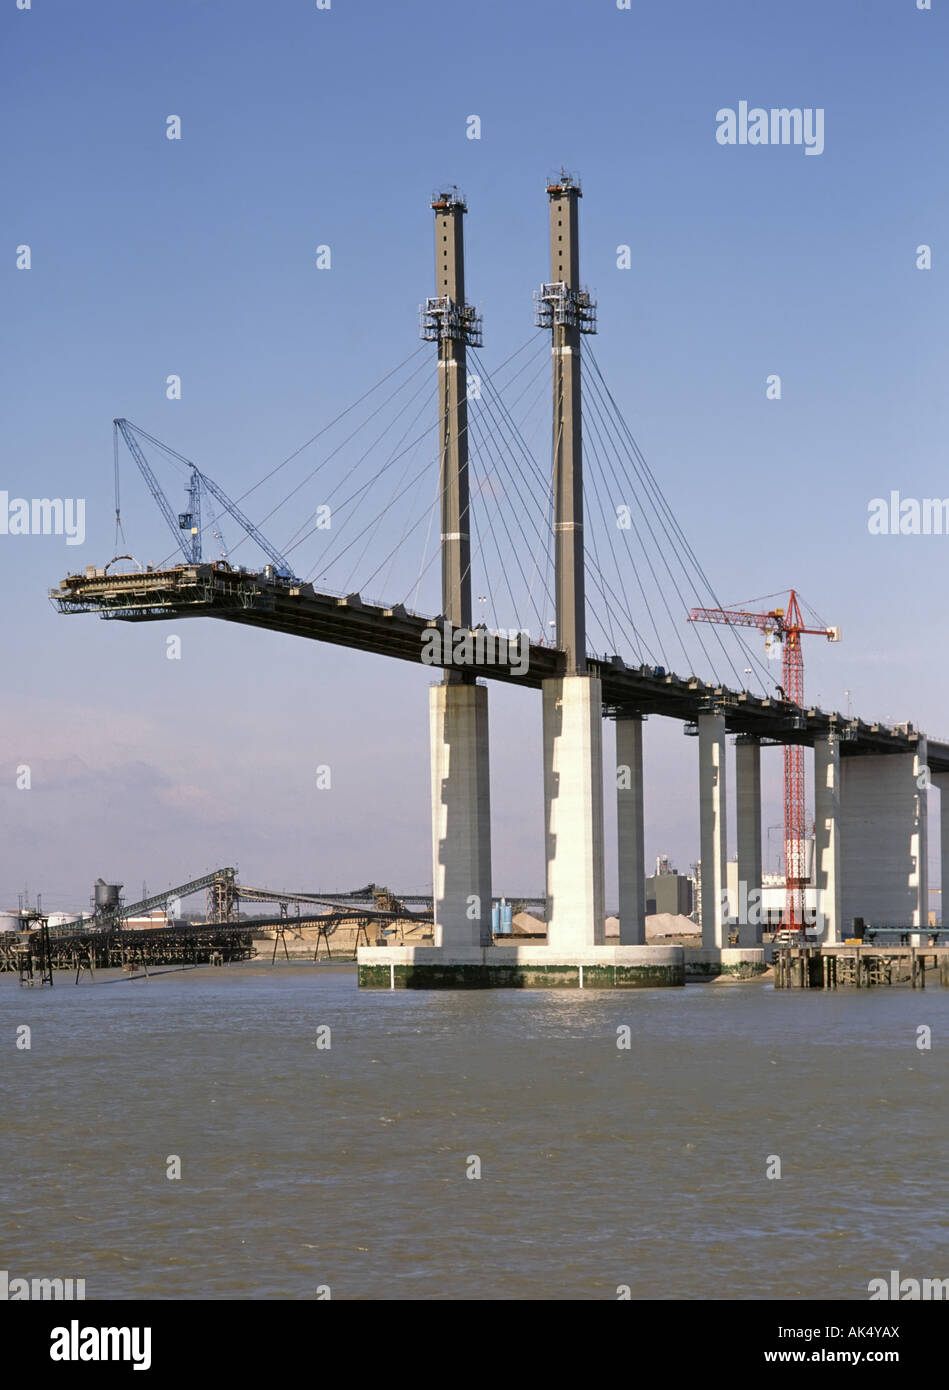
x,y
305,1166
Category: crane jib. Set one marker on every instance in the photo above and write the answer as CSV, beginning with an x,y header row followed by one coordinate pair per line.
x,y
188,523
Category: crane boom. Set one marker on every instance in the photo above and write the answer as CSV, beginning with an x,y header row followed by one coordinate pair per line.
x,y
731,617
283,566
154,486
191,520
775,620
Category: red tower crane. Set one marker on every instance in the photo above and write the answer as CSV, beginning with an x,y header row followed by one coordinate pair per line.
x,y
784,625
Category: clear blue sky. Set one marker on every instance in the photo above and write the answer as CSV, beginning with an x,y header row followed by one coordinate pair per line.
x,y
303,127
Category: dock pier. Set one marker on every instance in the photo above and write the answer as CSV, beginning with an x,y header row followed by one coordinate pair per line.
x,y
863,966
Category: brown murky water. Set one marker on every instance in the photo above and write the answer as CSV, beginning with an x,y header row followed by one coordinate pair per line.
x,y
304,1166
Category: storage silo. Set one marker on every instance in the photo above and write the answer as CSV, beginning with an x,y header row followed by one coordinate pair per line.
x,y
59,921
106,895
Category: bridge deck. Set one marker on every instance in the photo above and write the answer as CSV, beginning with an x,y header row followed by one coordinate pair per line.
x,y
296,608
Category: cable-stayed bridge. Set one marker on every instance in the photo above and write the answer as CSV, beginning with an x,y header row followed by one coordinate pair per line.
x,y
562,567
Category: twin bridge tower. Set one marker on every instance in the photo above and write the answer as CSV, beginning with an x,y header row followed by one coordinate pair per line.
x,y
870,811
572,699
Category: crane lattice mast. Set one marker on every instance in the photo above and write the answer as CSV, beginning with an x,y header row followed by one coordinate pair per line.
x,y
188,522
785,625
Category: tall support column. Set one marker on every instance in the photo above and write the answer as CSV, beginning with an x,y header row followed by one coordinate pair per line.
x,y
920,843
573,714
453,324
458,708
748,805
883,841
827,878
712,823
573,799
461,815
630,828
566,309
940,781
568,478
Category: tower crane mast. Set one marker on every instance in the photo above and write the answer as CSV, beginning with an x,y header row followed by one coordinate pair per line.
x,y
785,625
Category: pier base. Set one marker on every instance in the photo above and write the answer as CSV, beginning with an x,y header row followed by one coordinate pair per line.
x,y
736,962
521,967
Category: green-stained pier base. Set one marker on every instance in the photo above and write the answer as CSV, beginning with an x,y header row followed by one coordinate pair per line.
x,y
521,967
733,962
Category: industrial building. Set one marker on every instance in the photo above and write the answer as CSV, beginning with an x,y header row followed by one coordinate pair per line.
x,y
668,891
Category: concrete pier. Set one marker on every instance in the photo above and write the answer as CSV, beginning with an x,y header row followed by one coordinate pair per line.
x,y
940,781
748,794
630,828
521,967
461,815
573,808
883,842
730,962
920,843
827,839
713,829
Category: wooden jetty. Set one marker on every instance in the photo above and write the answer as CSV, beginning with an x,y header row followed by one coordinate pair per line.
x,y
34,955
854,965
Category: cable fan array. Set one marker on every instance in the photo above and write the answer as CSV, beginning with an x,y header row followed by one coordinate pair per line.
x,y
358,508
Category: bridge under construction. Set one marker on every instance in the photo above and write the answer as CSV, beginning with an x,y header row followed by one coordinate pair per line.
x,y
870,779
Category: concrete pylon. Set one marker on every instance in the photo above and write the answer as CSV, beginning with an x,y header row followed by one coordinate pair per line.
x,y
573,709
573,806
827,838
564,309
449,321
630,830
461,815
712,825
748,806
458,709
883,838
